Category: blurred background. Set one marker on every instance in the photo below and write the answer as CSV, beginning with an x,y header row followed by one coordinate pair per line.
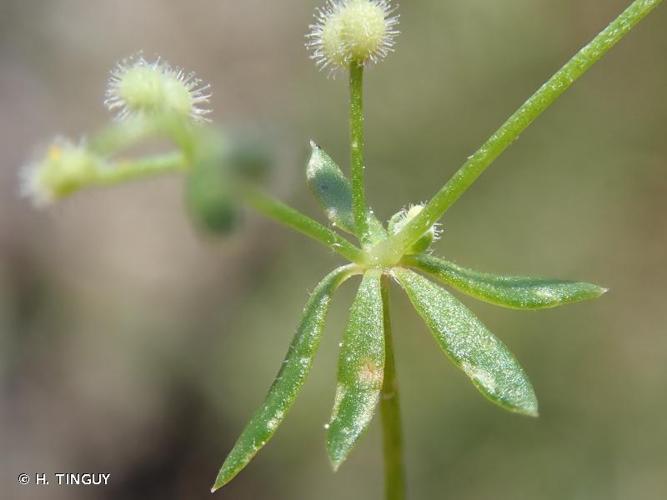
x,y
132,345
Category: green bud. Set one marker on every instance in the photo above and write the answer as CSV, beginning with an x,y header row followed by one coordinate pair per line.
x,y
401,218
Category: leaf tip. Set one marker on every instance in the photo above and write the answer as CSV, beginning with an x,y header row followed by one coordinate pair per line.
x,y
532,412
335,462
223,478
530,408
595,291
336,455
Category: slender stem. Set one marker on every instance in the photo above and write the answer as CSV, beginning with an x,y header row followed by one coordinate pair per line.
x,y
120,135
294,219
357,150
392,249
391,414
123,171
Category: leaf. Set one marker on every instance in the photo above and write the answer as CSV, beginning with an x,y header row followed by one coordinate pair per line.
x,y
334,193
466,341
331,188
360,370
517,292
290,378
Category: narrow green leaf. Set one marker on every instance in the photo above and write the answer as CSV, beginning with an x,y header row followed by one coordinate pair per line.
x,y
290,378
484,358
360,370
334,193
517,292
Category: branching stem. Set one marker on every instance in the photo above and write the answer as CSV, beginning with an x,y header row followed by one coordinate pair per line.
x,y
121,171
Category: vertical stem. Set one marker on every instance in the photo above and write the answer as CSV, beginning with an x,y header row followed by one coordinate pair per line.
x,y
357,150
391,415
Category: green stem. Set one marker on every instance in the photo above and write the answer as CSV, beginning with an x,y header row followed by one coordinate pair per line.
x,y
121,135
392,249
123,171
391,414
294,219
357,150
129,132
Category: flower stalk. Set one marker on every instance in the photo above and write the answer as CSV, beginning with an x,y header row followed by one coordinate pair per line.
x,y
357,145
131,170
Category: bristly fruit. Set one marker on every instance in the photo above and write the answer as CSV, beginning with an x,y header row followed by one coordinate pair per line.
x,y
140,87
352,32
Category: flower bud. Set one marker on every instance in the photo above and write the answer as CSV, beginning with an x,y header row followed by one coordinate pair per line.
x,y
352,32
64,169
400,219
139,87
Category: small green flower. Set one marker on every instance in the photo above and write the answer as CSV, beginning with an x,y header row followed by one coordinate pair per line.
x,y
401,219
140,87
63,169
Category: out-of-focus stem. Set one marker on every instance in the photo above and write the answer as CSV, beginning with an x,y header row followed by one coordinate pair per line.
x,y
124,171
